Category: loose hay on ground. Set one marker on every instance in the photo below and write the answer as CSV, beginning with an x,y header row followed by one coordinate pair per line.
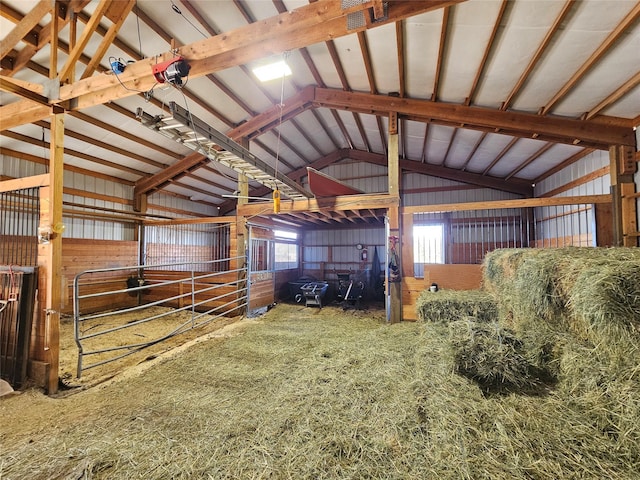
x,y
309,394
168,320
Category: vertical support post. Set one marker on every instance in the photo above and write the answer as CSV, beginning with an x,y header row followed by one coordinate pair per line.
x,y
242,233
53,51
394,282
622,169
50,259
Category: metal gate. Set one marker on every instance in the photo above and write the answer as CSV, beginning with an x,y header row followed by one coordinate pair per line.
x,y
174,297
261,269
17,299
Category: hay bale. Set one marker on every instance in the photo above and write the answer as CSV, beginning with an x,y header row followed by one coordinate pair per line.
x,y
570,283
452,305
491,356
605,299
605,385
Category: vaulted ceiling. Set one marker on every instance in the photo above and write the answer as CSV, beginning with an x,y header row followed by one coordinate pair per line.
x,y
493,93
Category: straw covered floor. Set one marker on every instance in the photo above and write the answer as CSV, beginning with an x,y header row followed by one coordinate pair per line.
x,y
304,393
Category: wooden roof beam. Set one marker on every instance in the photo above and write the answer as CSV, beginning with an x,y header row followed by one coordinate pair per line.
x,y
572,159
344,215
538,55
562,130
118,14
615,96
321,205
304,26
22,29
444,33
599,133
270,118
595,57
87,32
27,90
502,153
514,185
529,160
491,45
180,167
305,218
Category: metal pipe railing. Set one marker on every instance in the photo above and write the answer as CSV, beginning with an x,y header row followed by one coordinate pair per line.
x,y
194,277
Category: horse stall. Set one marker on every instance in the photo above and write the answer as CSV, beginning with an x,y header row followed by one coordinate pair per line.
x,y
445,245
188,278
18,282
273,264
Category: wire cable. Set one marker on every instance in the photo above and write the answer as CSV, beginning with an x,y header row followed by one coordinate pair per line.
x,y
138,27
285,55
117,75
176,9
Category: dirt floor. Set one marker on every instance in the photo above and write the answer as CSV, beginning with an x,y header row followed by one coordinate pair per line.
x,y
302,393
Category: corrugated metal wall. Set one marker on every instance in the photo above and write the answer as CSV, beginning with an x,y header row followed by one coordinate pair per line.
x,y
425,190
98,221
589,164
337,248
162,204
78,226
555,222
367,177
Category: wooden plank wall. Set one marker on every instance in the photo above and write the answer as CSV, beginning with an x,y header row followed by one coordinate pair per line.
x,y
451,277
79,255
262,289
583,240
222,284
283,277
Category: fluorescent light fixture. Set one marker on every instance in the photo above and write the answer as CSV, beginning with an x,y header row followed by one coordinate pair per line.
x,y
272,71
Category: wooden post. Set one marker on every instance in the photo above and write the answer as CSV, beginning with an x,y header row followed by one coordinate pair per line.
x,y
622,169
242,231
47,341
394,288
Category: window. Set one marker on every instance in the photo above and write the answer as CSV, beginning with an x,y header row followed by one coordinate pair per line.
x,y
428,246
269,255
286,255
285,234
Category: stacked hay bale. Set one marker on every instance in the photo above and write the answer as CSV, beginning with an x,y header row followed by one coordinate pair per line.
x,y
577,311
452,305
566,320
480,348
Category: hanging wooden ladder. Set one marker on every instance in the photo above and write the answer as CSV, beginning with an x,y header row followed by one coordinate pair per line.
x,y
189,130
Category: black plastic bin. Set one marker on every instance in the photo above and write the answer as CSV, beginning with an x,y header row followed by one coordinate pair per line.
x,y
314,292
295,288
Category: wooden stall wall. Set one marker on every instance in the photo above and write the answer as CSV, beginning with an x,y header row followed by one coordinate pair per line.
x,y
183,241
205,289
79,255
282,279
